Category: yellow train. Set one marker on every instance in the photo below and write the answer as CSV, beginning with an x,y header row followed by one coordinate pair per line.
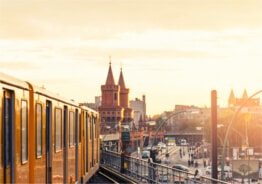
x,y
45,138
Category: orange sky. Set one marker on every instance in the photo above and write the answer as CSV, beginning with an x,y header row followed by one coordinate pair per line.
x,y
173,51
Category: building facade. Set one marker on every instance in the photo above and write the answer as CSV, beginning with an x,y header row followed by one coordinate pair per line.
x,y
115,112
236,102
139,107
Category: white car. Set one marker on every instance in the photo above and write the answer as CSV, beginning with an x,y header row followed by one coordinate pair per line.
x,y
161,146
171,144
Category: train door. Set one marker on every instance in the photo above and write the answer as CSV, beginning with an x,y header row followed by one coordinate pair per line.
x,y
65,143
48,142
9,137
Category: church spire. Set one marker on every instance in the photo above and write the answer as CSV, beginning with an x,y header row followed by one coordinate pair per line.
x,y
110,78
231,96
231,99
121,81
245,94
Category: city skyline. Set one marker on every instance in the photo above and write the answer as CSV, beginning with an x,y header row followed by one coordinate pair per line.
x,y
174,52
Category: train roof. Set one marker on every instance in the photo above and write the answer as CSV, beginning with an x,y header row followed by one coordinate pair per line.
x,y
88,108
52,95
12,81
18,83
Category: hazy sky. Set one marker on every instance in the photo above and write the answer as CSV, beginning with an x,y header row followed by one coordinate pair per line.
x,y
173,51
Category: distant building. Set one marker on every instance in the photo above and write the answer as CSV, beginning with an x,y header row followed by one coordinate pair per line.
x,y
188,112
98,101
94,105
139,107
236,102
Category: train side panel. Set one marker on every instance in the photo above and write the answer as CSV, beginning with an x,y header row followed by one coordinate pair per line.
x,y
55,152
90,146
14,127
72,132
57,145
40,139
80,146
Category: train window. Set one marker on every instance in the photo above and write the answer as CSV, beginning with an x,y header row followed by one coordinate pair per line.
x,y
71,129
91,127
38,130
58,129
24,131
79,129
95,127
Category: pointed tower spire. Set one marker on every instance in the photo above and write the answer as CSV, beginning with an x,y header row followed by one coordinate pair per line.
x,y
121,81
110,78
231,99
231,96
245,94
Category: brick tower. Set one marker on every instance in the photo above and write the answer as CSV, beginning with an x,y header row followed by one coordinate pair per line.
x,y
124,100
114,110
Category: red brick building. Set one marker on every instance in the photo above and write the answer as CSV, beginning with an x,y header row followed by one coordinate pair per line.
x,y
115,111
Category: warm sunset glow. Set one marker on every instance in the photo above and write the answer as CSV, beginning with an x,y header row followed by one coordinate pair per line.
x,y
174,52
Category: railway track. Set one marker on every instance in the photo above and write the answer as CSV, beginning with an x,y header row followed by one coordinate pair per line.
x,y
99,177
105,175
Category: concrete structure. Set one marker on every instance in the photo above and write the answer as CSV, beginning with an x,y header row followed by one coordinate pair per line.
x,y
139,107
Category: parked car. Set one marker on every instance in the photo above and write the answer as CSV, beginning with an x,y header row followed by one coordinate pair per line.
x,y
145,154
180,167
161,145
167,162
171,144
158,161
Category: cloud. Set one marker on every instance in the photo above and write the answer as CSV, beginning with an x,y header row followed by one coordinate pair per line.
x,y
17,65
103,19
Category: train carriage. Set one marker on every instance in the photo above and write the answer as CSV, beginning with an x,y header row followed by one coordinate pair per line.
x,y
89,149
15,99
56,119
45,138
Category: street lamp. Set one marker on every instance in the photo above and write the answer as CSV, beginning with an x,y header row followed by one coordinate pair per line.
x,y
229,127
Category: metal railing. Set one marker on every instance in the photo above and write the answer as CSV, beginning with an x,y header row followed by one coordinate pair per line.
x,y
145,171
